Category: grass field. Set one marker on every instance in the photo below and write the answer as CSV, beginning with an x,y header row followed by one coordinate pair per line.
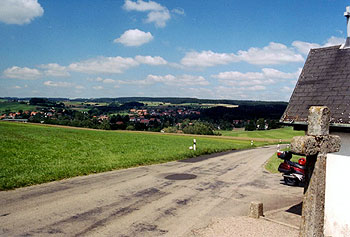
x,y
32,154
15,107
286,133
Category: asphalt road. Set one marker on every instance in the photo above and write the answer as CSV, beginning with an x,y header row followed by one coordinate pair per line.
x,y
170,199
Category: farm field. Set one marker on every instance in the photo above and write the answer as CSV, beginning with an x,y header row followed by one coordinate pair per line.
x,y
286,133
154,104
15,106
32,154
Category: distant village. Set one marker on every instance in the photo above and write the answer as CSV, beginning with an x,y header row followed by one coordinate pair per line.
x,y
142,117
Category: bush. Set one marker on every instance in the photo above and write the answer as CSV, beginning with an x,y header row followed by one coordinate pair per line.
x,y
170,130
201,128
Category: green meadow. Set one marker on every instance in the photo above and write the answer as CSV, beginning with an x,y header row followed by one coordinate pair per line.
x,y
286,133
32,154
15,107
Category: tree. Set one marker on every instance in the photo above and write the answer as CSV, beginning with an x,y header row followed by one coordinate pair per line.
x,y
201,128
250,126
260,124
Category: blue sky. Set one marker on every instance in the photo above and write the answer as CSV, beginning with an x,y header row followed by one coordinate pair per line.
x,y
222,49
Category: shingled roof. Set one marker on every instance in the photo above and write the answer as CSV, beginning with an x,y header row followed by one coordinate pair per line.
x,y
324,80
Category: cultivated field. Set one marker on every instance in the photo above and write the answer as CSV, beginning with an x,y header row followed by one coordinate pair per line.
x,y
15,107
286,133
32,154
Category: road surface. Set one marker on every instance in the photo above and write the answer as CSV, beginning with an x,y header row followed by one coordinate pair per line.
x,y
171,199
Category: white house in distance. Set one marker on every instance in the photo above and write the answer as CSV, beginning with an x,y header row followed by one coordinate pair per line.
x,y
325,81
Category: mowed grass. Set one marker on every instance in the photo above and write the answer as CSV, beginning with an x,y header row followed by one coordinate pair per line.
x,y
286,133
32,154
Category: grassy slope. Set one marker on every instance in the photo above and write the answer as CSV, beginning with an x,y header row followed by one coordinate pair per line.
x,y
32,154
285,133
15,107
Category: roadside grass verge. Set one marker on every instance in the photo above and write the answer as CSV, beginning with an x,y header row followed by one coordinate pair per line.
x,y
32,154
286,133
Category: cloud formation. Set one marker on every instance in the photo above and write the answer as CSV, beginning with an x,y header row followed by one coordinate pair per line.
x,y
265,77
24,73
58,84
155,61
104,65
157,13
170,80
304,47
206,59
274,53
19,12
55,70
134,37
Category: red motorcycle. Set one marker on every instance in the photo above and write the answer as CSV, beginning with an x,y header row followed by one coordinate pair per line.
x,y
293,172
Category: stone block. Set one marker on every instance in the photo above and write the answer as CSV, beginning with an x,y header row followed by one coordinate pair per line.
x,y
318,119
256,209
312,145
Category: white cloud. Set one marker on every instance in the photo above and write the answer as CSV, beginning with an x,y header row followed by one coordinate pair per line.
x,y
79,87
97,87
108,81
255,88
206,59
304,47
55,70
265,77
151,60
142,6
104,65
134,37
178,11
22,73
334,41
274,53
170,80
113,64
58,84
183,80
157,13
159,18
287,89
19,11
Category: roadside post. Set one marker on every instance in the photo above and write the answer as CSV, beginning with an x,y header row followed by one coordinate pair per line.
x,y
194,144
315,146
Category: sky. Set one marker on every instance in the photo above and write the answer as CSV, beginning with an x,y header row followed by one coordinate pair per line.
x,y
210,49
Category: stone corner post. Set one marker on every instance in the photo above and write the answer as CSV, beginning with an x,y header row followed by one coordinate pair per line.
x,y
315,146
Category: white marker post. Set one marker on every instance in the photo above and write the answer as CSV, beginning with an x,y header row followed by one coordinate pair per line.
x,y
194,144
